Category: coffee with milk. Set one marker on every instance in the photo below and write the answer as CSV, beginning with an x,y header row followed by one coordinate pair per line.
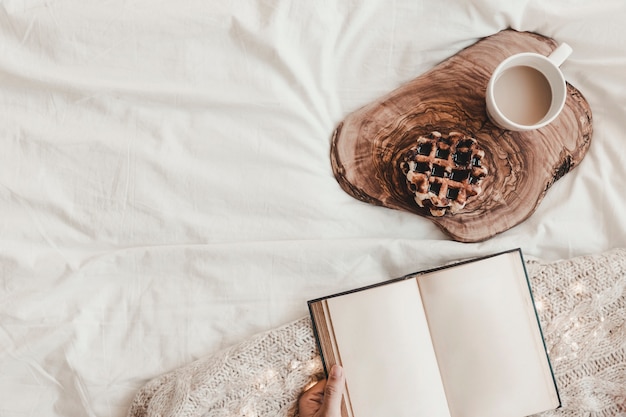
x,y
527,90
523,95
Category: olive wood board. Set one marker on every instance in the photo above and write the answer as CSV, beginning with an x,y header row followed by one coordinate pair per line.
x,y
368,146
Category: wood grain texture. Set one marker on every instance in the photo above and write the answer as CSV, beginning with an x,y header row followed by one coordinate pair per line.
x,y
368,145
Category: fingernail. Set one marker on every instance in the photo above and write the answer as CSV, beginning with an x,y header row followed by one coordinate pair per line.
x,y
336,371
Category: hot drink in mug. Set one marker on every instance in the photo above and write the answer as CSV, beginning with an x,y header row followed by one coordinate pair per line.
x,y
527,91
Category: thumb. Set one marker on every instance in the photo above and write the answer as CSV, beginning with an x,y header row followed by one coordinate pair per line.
x,y
333,392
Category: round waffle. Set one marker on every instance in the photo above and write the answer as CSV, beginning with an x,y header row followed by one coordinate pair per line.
x,y
443,172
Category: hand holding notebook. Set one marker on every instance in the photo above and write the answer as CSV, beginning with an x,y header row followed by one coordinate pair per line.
x,y
324,398
458,341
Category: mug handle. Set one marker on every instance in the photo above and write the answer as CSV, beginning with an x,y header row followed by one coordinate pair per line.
x,y
560,54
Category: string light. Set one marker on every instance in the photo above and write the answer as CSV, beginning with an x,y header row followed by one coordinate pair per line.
x,y
578,288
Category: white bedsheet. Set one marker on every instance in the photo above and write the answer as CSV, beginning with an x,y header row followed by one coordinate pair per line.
x,y
165,184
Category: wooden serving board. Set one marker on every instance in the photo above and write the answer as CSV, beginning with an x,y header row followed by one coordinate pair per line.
x,y
367,147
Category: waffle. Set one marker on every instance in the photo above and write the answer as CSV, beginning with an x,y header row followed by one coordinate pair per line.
x,y
443,172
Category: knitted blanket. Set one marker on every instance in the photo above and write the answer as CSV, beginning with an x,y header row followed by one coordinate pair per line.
x,y
582,308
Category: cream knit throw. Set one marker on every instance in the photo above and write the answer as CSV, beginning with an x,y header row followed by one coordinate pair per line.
x,y
582,308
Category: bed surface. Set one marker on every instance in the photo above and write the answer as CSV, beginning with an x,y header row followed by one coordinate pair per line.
x,y
166,188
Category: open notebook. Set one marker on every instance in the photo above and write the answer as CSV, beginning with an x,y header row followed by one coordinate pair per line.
x,y
458,341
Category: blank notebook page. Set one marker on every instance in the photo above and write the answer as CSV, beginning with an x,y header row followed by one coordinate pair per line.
x,y
485,332
386,378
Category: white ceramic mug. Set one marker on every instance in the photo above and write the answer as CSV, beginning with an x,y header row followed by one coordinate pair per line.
x,y
527,91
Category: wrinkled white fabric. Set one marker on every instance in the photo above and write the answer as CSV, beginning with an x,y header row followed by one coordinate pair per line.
x,y
165,183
